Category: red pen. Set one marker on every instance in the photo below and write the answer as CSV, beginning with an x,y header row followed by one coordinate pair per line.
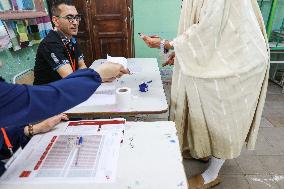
x,y
7,141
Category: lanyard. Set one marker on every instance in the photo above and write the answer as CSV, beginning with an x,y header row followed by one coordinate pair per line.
x,y
73,61
7,141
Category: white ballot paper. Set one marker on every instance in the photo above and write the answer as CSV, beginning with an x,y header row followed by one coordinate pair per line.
x,y
67,157
118,60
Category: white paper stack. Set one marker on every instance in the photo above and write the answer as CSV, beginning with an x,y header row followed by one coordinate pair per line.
x,y
118,60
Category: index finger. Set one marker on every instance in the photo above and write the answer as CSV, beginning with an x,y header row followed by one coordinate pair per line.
x,y
124,71
154,36
145,37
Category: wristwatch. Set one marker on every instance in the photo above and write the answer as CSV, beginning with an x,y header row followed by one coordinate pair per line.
x,y
31,130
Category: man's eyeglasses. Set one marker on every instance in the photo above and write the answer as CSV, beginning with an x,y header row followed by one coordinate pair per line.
x,y
72,18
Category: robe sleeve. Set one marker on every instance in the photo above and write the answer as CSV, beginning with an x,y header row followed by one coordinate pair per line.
x,y
196,44
23,104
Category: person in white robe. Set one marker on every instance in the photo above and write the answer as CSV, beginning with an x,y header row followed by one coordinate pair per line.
x,y
220,78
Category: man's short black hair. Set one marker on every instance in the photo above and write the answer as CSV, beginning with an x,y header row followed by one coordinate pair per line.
x,y
55,11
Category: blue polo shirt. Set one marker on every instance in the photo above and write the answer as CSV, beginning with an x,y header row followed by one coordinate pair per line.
x,y
55,51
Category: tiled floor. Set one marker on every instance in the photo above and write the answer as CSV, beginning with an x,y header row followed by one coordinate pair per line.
x,y
264,167
259,169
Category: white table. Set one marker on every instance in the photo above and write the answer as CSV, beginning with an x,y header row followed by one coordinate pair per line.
x,y
151,102
149,159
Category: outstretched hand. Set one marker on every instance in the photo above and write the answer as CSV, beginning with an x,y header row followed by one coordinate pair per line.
x,y
152,41
110,71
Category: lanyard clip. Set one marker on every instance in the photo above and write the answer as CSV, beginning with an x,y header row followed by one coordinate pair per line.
x,y
11,151
7,141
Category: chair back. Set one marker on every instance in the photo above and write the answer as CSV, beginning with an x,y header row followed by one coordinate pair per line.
x,y
25,77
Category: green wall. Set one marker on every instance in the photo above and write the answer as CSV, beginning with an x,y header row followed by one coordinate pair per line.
x,y
155,17
15,62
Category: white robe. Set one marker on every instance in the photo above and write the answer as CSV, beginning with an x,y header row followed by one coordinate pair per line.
x,y
220,76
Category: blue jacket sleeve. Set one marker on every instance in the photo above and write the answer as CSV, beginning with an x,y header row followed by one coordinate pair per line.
x,y
23,104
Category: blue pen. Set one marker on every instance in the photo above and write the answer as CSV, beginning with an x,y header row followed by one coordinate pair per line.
x,y
80,140
79,143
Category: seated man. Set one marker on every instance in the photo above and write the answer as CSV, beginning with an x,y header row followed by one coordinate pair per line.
x,y
58,54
